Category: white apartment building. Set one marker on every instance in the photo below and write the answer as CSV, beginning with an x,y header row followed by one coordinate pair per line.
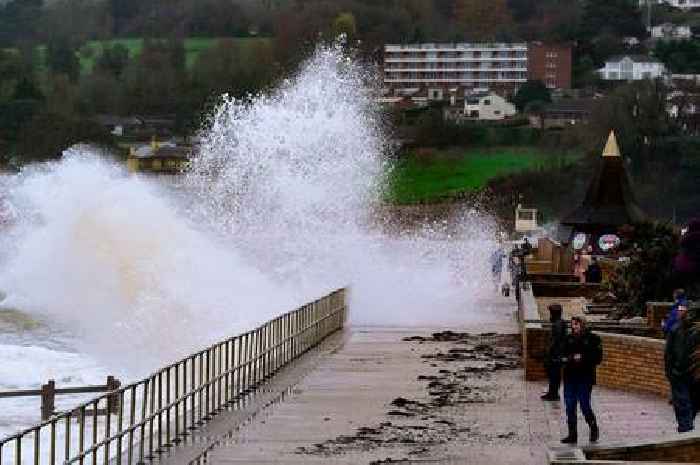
x,y
684,4
631,68
448,68
668,31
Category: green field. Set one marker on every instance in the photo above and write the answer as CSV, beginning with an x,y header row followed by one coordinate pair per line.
x,y
428,176
91,50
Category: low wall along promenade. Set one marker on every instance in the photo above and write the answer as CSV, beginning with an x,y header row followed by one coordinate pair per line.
x,y
630,363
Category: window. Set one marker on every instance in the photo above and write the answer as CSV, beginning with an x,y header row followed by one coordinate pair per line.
x,y
497,112
487,102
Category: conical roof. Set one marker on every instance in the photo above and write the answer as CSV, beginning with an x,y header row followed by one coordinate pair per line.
x,y
609,201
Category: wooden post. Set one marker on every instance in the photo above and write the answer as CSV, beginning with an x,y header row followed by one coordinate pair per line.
x,y
113,400
48,398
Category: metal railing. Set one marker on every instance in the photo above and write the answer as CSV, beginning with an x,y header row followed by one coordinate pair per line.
x,y
158,412
49,391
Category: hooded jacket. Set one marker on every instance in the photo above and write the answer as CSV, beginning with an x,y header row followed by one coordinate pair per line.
x,y
590,346
558,336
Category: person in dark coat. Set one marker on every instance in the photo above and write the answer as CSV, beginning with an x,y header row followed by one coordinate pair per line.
x,y
677,358
583,351
672,318
594,274
556,347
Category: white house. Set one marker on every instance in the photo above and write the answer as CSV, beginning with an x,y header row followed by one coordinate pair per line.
x,y
487,106
683,4
670,31
631,68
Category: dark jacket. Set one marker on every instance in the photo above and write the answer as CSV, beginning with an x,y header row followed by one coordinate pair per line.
x,y
590,347
594,274
557,341
678,353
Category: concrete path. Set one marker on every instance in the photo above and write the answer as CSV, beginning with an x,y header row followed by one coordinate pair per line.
x,y
376,397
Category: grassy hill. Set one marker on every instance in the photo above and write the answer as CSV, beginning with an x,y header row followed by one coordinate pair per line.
x,y
193,47
90,51
429,175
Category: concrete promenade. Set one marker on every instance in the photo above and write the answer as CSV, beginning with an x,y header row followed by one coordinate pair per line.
x,y
387,395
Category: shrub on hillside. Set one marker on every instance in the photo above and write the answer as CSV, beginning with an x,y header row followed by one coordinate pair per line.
x,y
648,275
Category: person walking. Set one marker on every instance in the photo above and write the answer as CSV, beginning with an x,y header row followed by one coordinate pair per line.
x,y
582,352
497,266
556,347
670,320
677,360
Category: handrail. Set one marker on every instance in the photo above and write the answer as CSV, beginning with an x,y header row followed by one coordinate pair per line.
x,y
140,420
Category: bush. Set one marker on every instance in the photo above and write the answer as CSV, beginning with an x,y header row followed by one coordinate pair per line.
x,y
647,276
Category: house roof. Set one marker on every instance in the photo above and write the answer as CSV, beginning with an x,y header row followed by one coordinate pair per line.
x,y
633,57
115,120
609,201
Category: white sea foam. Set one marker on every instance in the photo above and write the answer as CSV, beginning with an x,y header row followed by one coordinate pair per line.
x,y
282,205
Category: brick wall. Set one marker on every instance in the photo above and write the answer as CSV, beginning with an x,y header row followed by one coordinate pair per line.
x,y
535,344
629,362
633,363
656,312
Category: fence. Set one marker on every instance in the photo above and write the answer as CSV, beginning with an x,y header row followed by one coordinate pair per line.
x,y
48,394
156,413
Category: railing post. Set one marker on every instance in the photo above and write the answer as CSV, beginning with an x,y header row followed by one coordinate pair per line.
x,y
48,399
113,400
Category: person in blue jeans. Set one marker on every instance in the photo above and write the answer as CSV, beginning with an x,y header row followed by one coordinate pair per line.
x,y
677,358
583,351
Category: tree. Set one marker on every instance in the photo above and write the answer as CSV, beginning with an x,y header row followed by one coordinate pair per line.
x,y
648,276
61,58
344,24
101,92
531,91
537,107
48,135
152,82
10,72
123,12
27,89
19,21
482,20
637,111
621,18
113,59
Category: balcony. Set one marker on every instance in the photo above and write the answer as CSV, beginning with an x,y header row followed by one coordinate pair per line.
x,y
448,80
389,59
456,47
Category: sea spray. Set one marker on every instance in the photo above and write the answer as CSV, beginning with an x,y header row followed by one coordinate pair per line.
x,y
283,203
107,255
295,179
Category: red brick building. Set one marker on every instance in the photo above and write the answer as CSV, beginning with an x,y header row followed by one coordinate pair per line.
x,y
550,63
